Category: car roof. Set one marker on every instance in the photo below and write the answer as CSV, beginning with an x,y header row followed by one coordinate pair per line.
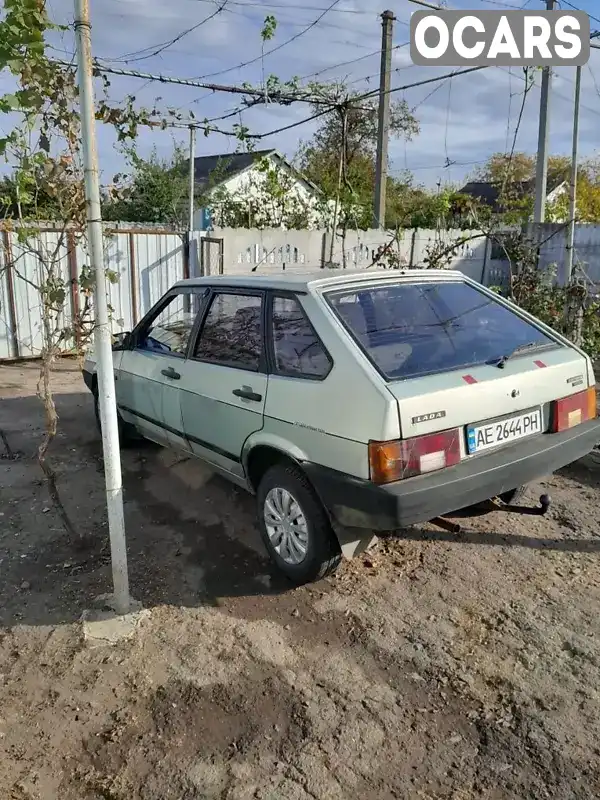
x,y
310,280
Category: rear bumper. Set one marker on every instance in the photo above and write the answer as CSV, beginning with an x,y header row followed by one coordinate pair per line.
x,y
358,503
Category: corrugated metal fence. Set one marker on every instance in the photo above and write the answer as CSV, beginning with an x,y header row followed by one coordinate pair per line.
x,y
146,262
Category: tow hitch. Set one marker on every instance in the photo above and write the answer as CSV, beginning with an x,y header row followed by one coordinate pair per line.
x,y
538,512
495,505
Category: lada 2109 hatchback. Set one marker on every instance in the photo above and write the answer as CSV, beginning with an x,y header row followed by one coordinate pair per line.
x,y
353,401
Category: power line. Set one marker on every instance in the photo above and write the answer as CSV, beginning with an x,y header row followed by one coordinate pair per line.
x,y
439,166
396,69
291,23
325,69
422,83
591,16
447,121
259,94
508,116
285,6
342,64
367,95
136,55
596,87
428,95
214,87
528,87
274,49
570,99
502,4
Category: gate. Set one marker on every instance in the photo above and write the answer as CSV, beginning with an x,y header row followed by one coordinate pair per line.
x,y
211,256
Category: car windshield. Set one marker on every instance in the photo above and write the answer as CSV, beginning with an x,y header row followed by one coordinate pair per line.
x,y
408,330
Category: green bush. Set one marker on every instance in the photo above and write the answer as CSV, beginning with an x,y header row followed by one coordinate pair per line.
x,y
537,293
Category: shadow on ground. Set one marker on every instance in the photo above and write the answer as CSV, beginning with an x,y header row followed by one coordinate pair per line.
x,y
192,537
586,471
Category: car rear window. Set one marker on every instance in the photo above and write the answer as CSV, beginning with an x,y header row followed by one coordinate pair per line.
x,y
408,330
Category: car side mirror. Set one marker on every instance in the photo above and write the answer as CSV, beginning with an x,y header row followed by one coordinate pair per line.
x,y
121,341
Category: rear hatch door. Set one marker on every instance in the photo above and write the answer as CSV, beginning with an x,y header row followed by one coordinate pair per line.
x,y
455,355
496,405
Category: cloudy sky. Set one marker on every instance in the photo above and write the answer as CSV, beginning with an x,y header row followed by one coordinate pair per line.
x,y
463,121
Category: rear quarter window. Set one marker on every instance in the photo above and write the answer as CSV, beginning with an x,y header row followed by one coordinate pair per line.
x,y
410,330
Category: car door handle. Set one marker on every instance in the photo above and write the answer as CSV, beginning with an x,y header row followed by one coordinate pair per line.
x,y
170,373
247,394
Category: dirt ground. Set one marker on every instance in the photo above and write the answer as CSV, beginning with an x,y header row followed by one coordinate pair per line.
x,y
438,666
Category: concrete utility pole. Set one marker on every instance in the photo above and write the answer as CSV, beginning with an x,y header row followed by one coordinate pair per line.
x,y
383,128
341,163
573,185
102,332
541,171
192,176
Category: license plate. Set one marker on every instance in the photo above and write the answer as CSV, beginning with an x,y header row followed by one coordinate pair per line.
x,y
494,434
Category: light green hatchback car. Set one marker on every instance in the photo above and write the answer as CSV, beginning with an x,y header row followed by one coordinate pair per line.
x,y
352,403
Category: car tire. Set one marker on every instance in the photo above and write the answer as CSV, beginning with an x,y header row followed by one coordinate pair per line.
x,y
303,546
126,432
514,497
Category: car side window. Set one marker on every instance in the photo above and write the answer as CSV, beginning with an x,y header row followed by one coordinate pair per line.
x,y
297,349
232,332
170,330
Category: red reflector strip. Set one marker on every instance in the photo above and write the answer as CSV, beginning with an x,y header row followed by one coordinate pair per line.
x,y
469,379
539,363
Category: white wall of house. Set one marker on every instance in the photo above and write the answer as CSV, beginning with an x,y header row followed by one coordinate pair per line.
x,y
268,212
251,180
553,196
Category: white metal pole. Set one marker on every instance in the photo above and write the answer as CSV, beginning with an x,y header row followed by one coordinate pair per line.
x,y
102,332
192,176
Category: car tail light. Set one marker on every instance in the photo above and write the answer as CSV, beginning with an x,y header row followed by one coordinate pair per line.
x,y
392,461
570,411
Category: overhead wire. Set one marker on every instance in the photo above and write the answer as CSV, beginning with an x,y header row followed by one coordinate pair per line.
x,y
570,99
376,74
280,46
313,74
508,116
502,4
447,122
214,87
343,64
428,95
141,55
575,8
285,6
528,87
440,166
366,95
595,82
243,90
292,23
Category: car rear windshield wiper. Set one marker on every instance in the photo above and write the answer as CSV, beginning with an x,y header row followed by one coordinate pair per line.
x,y
520,348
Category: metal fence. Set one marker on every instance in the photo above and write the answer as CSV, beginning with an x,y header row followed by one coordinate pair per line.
x,y
552,239
146,263
147,260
